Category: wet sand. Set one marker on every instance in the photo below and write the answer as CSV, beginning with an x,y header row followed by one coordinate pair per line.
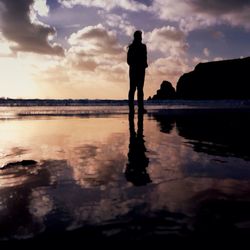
x,y
172,176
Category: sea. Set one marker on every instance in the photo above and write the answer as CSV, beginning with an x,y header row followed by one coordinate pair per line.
x,y
95,172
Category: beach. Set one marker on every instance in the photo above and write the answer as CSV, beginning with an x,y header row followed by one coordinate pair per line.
x,y
178,173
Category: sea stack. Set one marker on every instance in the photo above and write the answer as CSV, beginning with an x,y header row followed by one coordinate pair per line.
x,y
165,92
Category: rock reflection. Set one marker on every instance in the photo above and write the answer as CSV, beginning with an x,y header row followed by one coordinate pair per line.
x,y
136,171
223,133
215,132
167,122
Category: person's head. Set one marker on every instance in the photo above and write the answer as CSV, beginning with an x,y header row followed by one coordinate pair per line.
x,y
138,36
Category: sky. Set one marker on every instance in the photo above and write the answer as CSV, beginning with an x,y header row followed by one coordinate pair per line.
x,y
77,48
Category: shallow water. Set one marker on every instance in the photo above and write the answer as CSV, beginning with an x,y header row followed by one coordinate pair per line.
x,y
182,174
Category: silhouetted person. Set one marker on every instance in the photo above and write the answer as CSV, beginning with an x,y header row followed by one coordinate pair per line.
x,y
137,160
137,61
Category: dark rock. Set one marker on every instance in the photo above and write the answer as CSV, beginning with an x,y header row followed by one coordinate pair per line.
x,y
228,79
165,92
22,163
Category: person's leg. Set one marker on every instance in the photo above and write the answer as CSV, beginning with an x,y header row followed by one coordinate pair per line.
x,y
132,88
140,94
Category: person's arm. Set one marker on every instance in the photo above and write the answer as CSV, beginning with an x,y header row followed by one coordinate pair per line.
x,y
129,56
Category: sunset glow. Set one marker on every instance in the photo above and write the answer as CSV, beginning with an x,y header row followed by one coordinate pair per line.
x,y
77,48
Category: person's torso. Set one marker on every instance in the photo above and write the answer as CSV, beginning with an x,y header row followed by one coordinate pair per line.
x,y
137,55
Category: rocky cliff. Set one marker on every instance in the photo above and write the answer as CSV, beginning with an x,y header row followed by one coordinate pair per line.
x,y
228,79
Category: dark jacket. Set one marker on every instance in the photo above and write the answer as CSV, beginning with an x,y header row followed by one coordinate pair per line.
x,y
137,55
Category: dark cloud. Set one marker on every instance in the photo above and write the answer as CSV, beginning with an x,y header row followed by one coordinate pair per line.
x,y
94,47
220,6
84,64
16,26
197,14
145,2
217,35
233,12
97,39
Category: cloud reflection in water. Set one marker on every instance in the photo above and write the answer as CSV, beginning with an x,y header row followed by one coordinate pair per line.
x,y
81,178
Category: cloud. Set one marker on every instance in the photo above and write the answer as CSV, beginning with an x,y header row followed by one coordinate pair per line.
x,y
96,40
20,26
194,14
168,40
118,21
41,7
5,50
197,60
107,5
234,12
218,58
206,52
219,6
83,72
169,68
96,50
218,35
93,67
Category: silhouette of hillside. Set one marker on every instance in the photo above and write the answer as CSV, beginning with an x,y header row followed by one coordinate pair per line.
x,y
227,79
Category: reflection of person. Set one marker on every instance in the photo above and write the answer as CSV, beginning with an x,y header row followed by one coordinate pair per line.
x,y
137,159
137,61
